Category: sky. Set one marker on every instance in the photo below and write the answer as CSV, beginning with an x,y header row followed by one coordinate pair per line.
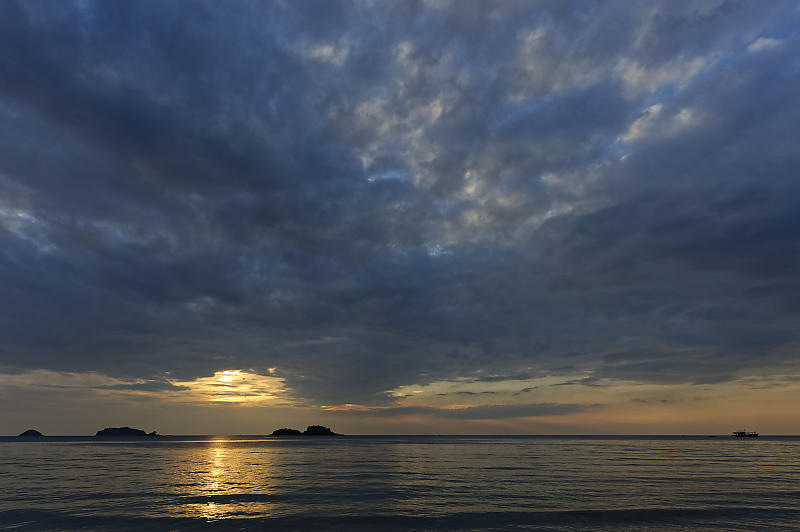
x,y
404,217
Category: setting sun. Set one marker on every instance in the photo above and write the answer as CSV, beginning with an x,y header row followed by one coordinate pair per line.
x,y
228,375
236,386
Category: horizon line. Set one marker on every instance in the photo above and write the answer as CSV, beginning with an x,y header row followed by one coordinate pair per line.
x,y
588,435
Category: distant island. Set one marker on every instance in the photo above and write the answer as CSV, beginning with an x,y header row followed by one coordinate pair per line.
x,y
286,432
311,430
318,430
125,431
31,433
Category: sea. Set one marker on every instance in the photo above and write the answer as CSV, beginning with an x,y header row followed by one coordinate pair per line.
x,y
375,483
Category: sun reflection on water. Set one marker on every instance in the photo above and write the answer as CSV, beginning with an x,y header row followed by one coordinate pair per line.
x,y
213,482
228,478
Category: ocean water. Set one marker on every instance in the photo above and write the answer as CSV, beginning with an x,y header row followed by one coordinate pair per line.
x,y
400,483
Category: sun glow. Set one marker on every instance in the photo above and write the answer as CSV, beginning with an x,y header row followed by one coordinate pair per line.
x,y
228,375
237,386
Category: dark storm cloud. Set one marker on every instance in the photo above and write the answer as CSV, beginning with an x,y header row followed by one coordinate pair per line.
x,y
364,197
147,386
522,375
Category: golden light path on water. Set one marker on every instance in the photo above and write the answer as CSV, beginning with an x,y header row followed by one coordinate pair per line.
x,y
215,475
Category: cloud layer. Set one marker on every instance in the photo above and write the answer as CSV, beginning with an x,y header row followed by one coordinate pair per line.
x,y
366,196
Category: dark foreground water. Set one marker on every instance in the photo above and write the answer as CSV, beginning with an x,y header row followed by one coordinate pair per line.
x,y
400,483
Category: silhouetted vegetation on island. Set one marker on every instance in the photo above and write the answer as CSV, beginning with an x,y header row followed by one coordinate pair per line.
x,y
31,433
311,430
319,430
125,431
286,432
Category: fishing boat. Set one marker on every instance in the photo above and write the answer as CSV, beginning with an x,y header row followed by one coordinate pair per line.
x,y
744,434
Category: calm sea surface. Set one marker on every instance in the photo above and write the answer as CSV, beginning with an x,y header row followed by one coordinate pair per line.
x,y
400,483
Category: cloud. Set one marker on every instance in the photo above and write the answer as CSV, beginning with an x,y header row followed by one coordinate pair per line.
x,y
512,411
465,392
147,386
764,43
364,198
501,411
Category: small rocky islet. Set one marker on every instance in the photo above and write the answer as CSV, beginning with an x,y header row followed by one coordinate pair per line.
x,y
31,433
125,432
311,430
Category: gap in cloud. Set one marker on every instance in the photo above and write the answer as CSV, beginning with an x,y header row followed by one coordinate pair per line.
x,y
237,386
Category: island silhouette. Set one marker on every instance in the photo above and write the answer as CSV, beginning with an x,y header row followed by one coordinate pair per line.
x,y
125,432
286,432
311,430
129,432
